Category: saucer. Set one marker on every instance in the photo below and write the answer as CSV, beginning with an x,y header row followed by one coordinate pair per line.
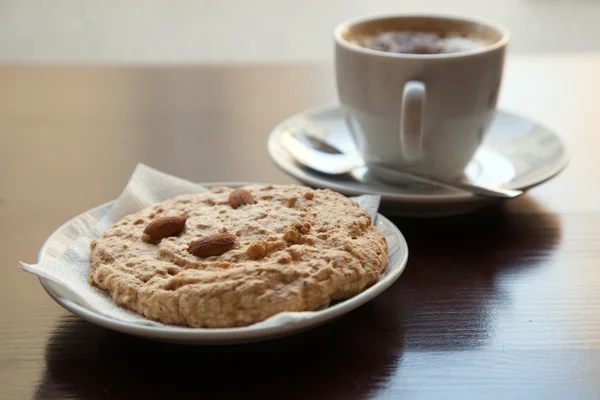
x,y
517,153
279,325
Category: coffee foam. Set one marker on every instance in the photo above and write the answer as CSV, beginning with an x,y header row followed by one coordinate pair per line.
x,y
455,32
420,42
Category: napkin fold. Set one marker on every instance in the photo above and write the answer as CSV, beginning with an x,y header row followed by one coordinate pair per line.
x,y
67,265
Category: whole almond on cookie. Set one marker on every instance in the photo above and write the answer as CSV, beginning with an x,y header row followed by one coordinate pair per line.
x,y
240,197
213,245
165,226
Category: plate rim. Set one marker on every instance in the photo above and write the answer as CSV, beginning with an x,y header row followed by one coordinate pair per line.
x,y
409,198
225,335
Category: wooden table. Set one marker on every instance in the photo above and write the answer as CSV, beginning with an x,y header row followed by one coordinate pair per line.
x,y
502,304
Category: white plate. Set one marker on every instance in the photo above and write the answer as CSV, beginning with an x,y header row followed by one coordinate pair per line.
x,y
297,321
516,154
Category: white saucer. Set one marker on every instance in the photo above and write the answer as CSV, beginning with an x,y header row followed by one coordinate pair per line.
x,y
279,325
517,154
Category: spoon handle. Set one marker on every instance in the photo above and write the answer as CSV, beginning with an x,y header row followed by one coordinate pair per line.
x,y
335,162
479,190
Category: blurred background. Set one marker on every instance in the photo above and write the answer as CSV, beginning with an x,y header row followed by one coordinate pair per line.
x,y
193,87
218,31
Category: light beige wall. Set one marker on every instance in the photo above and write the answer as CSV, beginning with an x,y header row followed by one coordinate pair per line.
x,y
185,31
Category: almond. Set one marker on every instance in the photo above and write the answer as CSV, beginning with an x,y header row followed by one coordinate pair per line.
x,y
165,226
213,245
240,197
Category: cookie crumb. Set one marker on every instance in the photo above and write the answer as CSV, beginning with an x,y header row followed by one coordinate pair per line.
x,y
302,227
283,258
257,249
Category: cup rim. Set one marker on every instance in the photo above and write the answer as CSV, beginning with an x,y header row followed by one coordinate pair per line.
x,y
343,26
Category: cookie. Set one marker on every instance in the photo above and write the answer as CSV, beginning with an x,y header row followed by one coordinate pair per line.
x,y
234,257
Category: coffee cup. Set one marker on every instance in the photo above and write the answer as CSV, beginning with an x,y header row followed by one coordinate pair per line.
x,y
420,90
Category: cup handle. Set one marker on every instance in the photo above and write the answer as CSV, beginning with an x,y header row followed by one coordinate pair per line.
x,y
412,117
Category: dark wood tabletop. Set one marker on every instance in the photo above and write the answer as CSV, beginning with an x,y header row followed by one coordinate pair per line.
x,y
503,303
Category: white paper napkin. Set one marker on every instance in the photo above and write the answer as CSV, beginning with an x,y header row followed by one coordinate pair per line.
x,y
70,268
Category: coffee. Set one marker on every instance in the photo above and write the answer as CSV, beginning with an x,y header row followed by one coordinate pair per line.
x,y
416,42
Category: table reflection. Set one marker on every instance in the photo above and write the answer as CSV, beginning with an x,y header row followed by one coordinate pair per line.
x,y
447,299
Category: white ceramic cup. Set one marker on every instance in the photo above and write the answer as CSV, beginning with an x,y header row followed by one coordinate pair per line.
x,y
424,113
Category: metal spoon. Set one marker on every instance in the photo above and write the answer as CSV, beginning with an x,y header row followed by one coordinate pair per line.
x,y
314,153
